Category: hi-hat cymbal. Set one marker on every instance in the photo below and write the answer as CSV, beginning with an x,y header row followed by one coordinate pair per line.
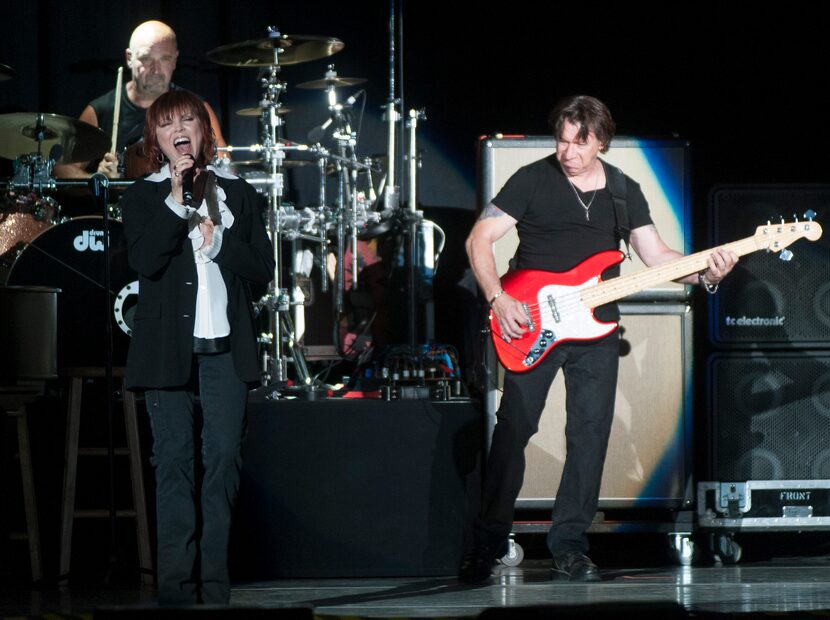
x,y
21,132
258,111
331,81
6,72
260,52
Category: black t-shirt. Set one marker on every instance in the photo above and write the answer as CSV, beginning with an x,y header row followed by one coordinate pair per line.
x,y
554,233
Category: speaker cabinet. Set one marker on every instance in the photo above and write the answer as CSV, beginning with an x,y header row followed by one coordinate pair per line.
x,y
661,167
767,303
648,462
770,413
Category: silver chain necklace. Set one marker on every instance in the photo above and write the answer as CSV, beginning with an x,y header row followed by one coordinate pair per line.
x,y
579,198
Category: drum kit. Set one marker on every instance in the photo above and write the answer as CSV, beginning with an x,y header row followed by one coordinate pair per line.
x,y
34,237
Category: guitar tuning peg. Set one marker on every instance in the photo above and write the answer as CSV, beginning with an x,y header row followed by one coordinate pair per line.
x,y
795,218
786,255
810,214
781,217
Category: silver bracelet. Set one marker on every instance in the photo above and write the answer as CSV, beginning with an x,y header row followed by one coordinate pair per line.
x,y
496,296
710,288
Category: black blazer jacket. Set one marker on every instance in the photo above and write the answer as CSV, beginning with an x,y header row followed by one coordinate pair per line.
x,y
161,349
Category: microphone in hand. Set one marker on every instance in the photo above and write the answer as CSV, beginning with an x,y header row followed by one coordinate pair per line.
x,y
187,186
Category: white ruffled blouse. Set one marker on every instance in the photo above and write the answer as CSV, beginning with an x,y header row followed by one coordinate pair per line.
x,y
212,296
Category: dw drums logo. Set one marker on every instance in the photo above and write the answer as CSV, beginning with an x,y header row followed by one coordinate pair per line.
x,y
92,240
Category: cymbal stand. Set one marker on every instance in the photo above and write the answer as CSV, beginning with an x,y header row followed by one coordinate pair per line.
x,y
275,371
322,165
346,140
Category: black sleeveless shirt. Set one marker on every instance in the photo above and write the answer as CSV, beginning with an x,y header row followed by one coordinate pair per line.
x,y
130,121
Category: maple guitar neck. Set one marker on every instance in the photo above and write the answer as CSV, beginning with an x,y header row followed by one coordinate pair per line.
x,y
617,288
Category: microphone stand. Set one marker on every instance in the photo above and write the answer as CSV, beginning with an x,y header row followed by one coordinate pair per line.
x,y
99,185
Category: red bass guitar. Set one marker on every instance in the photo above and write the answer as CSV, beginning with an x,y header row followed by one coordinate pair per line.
x,y
559,306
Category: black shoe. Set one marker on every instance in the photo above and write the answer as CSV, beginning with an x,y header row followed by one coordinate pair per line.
x,y
575,566
478,563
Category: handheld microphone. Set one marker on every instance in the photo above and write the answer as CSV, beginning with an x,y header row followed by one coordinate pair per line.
x,y
187,186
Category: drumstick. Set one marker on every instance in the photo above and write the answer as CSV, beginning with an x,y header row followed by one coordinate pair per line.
x,y
116,112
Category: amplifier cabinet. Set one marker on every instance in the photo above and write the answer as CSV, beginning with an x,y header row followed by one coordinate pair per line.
x,y
769,414
649,452
766,303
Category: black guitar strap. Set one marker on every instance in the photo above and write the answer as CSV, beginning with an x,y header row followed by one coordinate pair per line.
x,y
618,187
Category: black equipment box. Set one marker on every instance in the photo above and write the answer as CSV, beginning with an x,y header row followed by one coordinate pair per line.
x,y
764,505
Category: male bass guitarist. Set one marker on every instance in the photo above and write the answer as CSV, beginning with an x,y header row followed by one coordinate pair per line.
x,y
566,208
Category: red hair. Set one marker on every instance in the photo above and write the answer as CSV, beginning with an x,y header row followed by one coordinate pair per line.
x,y
171,103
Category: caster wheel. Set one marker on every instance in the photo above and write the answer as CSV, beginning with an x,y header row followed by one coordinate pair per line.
x,y
515,554
726,549
682,549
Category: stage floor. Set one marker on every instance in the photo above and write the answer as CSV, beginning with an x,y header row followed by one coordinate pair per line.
x,y
781,586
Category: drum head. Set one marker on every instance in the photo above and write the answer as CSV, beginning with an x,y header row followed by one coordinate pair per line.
x,y
70,256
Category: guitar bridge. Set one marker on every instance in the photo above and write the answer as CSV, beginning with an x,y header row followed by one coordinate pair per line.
x,y
531,326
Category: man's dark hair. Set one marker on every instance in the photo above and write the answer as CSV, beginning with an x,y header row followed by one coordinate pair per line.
x,y
588,113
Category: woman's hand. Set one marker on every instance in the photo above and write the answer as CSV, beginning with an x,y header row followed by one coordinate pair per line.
x,y
177,168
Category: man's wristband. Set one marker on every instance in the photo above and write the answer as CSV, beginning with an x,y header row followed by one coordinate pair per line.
x,y
710,288
496,296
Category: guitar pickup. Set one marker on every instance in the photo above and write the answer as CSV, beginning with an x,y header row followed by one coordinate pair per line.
x,y
554,312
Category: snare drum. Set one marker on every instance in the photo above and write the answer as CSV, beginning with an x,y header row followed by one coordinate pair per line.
x,y
70,256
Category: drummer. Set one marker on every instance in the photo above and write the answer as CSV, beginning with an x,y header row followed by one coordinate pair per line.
x,y
151,57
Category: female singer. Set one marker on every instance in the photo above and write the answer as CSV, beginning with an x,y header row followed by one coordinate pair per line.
x,y
196,239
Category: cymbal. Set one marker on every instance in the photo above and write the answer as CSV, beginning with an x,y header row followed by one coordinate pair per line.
x,y
260,52
80,141
331,81
6,72
257,111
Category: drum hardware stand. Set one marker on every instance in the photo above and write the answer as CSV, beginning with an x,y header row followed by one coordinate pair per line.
x,y
417,249
277,301
346,140
391,196
347,165
415,225
411,217
33,175
322,165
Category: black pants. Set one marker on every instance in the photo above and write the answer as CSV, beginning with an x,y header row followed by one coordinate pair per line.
x,y
194,521
590,372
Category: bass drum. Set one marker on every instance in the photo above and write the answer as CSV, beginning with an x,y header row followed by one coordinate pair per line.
x,y
70,257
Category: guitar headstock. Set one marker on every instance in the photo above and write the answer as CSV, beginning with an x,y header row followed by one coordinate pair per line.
x,y
775,237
